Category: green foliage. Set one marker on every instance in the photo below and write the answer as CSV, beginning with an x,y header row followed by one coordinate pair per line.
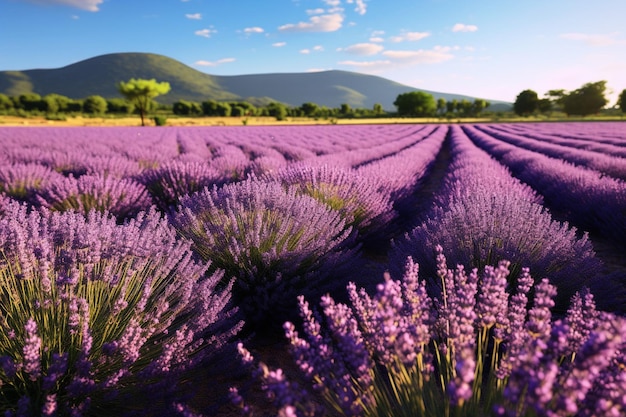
x,y
621,101
588,99
140,92
416,104
120,106
95,105
526,103
186,108
160,120
5,102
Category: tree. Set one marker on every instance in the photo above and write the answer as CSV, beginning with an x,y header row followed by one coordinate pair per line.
x,y
277,110
309,109
441,106
416,103
95,105
5,102
526,103
586,100
478,106
378,109
119,105
621,101
140,92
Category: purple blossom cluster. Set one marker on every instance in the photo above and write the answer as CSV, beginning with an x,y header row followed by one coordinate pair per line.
x,y
484,215
276,242
124,198
97,314
586,197
170,182
357,198
476,348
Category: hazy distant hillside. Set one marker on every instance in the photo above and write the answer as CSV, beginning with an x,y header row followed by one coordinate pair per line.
x,y
100,75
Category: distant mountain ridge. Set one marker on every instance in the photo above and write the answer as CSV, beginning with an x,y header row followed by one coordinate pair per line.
x,y
99,76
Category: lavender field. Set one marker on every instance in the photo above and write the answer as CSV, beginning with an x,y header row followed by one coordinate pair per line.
x,y
358,270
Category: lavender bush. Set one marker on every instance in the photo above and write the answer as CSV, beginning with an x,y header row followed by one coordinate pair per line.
x,y
357,198
123,198
275,242
483,215
101,318
22,181
171,181
474,349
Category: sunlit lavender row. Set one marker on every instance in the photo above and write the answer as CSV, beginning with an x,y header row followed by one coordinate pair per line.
x,y
418,270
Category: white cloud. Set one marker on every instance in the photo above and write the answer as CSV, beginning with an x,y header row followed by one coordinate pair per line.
x,y
255,29
279,44
194,16
461,27
410,36
360,7
594,39
421,56
205,32
202,63
376,39
315,11
333,3
363,49
322,23
367,64
89,5
316,48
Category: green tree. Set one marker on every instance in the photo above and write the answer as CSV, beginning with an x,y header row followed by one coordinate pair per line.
x,y
95,105
441,106
140,92
5,102
345,110
621,101
451,106
588,99
185,108
526,103
416,103
30,102
378,109
478,106
309,109
119,106
277,110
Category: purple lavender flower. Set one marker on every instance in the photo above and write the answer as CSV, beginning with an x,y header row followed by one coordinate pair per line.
x,y
32,350
170,182
22,181
355,196
76,352
275,242
123,198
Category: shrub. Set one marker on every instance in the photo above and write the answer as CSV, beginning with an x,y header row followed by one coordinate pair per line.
x,y
22,181
160,120
168,183
354,196
471,350
275,242
123,198
100,318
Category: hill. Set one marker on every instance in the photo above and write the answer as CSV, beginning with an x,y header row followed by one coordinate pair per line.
x,y
100,75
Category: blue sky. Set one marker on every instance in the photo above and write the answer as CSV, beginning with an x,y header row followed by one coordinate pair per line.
x,y
484,48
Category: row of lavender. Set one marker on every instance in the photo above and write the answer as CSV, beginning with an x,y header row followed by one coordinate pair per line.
x,y
132,325
585,187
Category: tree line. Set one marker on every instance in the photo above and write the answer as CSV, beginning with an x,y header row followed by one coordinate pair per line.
x,y
584,101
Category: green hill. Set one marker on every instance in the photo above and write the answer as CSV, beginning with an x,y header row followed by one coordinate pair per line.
x,y
100,75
